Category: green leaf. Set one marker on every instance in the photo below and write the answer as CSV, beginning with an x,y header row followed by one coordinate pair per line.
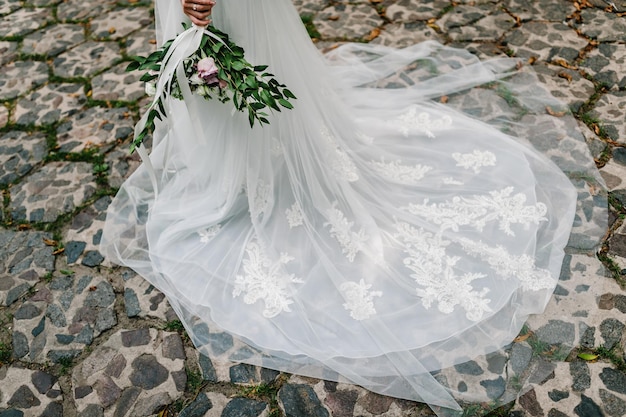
x,y
288,93
260,68
237,65
217,46
133,66
257,106
588,356
285,103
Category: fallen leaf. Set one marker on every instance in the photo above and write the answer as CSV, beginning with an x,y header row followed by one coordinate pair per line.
x,y
588,356
551,112
565,76
522,337
372,35
49,242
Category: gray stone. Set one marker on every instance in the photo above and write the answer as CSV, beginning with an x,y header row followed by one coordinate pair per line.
x,y
92,410
556,395
92,258
172,347
243,373
180,379
557,332
83,282
620,303
149,405
85,336
220,342
126,401
58,355
20,345
105,320
198,408
587,336
494,387
39,327
206,366
613,405
520,357
27,311
139,337
73,250
611,331
103,296
53,409
469,368
587,408
614,380
243,407
107,390
56,315
82,391
23,398
268,375
581,378
115,367
341,402
62,283
42,381
529,402
148,373
299,400
131,302
11,413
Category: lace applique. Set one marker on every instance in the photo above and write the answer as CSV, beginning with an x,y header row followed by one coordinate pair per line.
x,y
207,234
340,162
265,279
341,229
477,210
404,174
261,199
434,272
411,121
294,215
451,181
475,160
505,264
359,299
366,139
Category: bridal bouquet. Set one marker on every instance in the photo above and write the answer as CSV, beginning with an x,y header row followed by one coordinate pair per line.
x,y
217,69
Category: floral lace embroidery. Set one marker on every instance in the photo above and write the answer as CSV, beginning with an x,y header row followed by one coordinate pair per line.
x,y
340,162
341,229
294,215
265,279
477,210
404,174
451,181
366,139
207,234
261,199
475,160
434,272
359,299
412,121
505,264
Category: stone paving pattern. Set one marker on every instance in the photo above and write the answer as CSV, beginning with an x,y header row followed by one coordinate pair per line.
x,y
79,338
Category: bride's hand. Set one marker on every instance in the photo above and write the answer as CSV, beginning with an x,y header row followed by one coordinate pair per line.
x,y
198,11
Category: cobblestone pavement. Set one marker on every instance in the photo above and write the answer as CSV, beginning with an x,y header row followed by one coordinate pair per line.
x,y
79,338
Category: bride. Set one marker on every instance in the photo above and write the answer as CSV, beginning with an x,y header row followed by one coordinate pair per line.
x,y
397,222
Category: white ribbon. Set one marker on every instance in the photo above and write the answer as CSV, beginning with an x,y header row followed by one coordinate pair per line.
x,y
184,45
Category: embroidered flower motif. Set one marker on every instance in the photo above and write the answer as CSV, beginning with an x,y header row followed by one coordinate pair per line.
x,y
359,299
478,210
475,160
505,264
294,215
261,199
265,279
341,229
451,181
207,234
411,121
340,162
404,174
434,273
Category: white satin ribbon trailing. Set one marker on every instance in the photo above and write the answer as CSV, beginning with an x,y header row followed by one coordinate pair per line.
x,y
183,46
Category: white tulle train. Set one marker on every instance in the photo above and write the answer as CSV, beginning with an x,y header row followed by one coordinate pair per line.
x,y
371,234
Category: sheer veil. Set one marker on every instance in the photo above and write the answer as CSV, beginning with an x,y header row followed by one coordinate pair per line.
x,y
373,234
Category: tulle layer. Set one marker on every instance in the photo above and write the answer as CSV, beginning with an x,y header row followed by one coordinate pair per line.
x,y
373,233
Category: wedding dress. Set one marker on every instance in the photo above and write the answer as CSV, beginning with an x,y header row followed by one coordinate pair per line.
x,y
373,234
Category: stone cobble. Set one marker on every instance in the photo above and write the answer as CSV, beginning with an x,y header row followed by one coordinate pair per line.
x,y
81,338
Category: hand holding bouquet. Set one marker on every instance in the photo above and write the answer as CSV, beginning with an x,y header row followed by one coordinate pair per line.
x,y
217,69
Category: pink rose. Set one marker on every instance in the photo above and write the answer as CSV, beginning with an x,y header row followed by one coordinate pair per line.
x,y
207,68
